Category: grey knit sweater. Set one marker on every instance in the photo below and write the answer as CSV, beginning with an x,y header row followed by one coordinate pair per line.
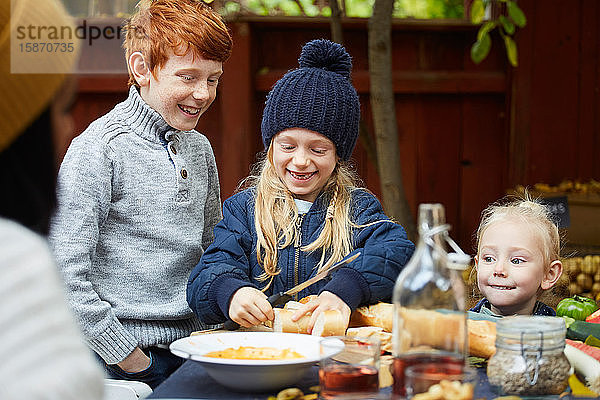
x,y
137,203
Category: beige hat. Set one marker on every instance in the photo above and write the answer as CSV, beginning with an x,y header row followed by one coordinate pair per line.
x,y
24,95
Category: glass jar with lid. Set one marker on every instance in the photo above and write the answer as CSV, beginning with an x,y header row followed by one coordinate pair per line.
x,y
529,358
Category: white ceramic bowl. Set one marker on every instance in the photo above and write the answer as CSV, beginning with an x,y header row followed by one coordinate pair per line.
x,y
252,375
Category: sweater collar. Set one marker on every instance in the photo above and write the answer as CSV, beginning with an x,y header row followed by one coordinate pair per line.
x,y
144,120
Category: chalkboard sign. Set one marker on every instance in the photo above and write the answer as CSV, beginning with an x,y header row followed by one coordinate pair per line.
x,y
559,207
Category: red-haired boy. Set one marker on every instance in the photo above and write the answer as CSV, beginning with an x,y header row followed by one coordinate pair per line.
x,y
138,193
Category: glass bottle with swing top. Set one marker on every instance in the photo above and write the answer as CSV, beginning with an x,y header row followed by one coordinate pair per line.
x,y
429,301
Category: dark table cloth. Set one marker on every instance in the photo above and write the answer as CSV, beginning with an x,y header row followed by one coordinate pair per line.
x,y
191,381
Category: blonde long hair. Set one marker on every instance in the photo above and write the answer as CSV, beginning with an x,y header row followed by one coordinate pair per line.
x,y
275,213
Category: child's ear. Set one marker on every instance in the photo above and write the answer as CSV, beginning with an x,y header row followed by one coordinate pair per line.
x,y
552,275
139,68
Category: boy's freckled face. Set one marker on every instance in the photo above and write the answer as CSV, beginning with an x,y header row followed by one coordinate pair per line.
x,y
510,266
183,89
304,161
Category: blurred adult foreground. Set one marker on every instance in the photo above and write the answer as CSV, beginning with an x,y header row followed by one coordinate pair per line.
x,y
42,353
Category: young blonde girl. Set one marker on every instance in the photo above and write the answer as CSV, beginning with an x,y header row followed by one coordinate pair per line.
x,y
302,210
517,258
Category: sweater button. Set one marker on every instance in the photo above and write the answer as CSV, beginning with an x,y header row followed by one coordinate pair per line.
x,y
173,149
184,173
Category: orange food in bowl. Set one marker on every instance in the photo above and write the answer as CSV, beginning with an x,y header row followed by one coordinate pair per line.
x,y
255,353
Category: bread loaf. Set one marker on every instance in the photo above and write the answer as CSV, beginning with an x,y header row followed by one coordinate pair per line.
x,y
296,305
292,305
482,338
283,322
428,328
380,314
308,299
385,338
328,323
432,328
385,371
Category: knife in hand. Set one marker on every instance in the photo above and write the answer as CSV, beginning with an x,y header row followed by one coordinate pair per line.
x,y
280,298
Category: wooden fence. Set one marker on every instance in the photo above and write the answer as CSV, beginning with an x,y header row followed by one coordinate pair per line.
x,y
467,132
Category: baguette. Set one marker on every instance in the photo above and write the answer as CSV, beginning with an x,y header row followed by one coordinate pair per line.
x,y
380,314
432,328
385,338
429,328
295,305
292,305
328,323
386,365
308,299
482,338
283,322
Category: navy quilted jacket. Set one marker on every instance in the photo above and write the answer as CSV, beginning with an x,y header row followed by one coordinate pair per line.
x,y
230,262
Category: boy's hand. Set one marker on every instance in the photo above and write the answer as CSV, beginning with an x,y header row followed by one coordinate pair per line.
x,y
135,362
325,301
249,307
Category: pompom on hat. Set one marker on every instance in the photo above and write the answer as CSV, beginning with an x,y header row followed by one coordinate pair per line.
x,y
25,94
317,96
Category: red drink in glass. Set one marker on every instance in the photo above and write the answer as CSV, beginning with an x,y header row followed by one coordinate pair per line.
x,y
339,379
409,359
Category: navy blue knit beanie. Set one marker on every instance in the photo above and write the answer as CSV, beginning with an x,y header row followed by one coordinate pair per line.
x,y
317,96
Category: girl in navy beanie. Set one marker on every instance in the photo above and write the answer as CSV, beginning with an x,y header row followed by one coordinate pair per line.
x,y
302,209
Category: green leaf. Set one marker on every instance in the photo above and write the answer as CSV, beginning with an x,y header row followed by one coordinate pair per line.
x,y
481,49
516,14
477,11
310,10
511,50
232,7
270,4
485,29
507,25
290,8
360,9
257,7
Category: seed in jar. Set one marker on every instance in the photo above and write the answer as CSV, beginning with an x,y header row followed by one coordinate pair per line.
x,y
510,374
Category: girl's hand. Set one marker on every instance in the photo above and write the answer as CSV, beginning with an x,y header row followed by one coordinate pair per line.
x,y
325,301
249,307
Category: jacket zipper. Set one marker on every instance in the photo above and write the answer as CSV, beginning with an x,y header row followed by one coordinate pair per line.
x,y
297,244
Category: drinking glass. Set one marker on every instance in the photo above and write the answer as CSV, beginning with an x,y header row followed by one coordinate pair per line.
x,y
353,369
440,381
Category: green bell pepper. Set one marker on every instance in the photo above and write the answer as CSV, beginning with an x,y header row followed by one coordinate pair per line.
x,y
576,307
